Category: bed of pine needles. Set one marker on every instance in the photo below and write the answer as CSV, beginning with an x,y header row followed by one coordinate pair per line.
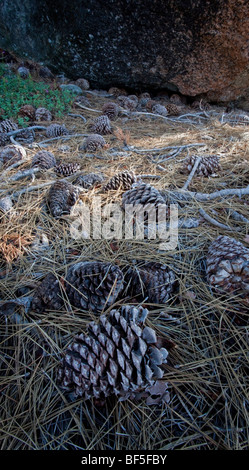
x,y
208,369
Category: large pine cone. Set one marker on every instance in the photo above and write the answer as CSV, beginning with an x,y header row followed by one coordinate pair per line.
x,y
4,138
66,169
118,355
90,180
44,159
159,109
101,125
61,198
153,282
123,179
206,167
8,125
93,142
228,266
55,130
82,83
48,295
93,285
142,194
173,109
27,110
12,154
27,136
111,110
43,114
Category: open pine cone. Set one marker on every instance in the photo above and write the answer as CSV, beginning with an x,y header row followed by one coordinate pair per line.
x,y
123,179
12,154
206,167
43,114
55,130
66,169
144,194
27,110
119,356
93,285
47,295
61,198
8,125
4,139
44,159
153,282
93,142
101,125
228,266
111,110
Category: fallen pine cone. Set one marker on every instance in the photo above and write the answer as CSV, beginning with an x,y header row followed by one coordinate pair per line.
x,y
119,356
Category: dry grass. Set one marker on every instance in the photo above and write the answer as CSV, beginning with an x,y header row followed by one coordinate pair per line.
x,y
207,371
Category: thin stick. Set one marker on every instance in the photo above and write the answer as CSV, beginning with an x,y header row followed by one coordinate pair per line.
x,y
216,223
43,185
17,131
175,147
182,195
24,173
88,109
191,175
77,115
64,137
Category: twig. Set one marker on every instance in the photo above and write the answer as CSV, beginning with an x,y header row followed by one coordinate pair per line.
x,y
157,177
24,173
63,137
88,109
15,165
236,216
182,195
216,223
77,115
42,185
17,131
175,147
191,175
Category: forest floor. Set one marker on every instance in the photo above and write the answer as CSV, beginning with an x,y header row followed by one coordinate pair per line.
x,y
207,371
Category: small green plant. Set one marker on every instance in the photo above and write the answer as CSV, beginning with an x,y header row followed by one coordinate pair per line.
x,y
15,92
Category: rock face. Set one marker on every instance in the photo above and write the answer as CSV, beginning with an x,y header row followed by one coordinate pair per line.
x,y
194,47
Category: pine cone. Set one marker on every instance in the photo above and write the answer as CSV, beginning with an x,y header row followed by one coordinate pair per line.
x,y
8,125
93,285
93,142
228,266
27,110
111,110
149,105
48,295
82,83
118,355
23,72
159,109
206,167
127,103
4,139
101,125
142,193
66,169
123,180
89,181
173,109
44,160
153,282
144,95
61,198
55,130
43,114
12,154
116,91
176,99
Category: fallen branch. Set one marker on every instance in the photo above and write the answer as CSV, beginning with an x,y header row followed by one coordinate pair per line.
x,y
236,216
17,131
182,195
24,173
88,109
77,115
191,175
43,185
175,147
63,137
216,223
